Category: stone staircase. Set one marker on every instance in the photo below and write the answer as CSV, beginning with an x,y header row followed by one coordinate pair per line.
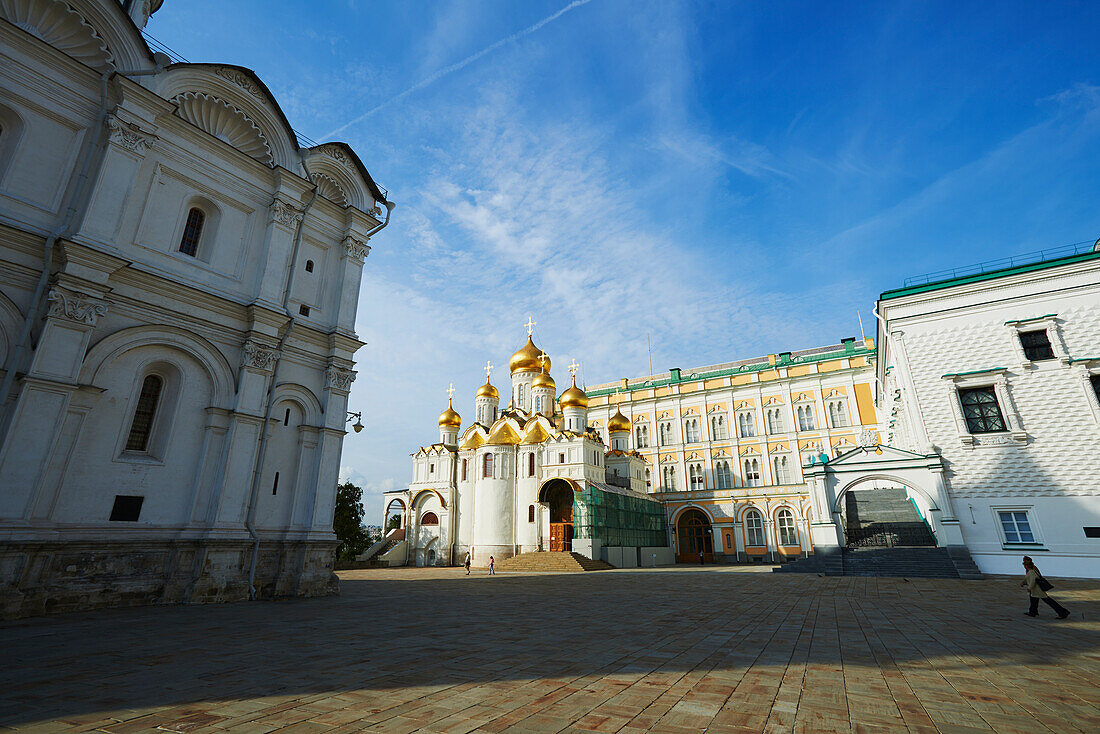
x,y
555,561
910,562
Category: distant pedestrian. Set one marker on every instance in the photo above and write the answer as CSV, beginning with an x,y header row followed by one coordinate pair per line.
x,y
491,561
702,559
1035,584
466,562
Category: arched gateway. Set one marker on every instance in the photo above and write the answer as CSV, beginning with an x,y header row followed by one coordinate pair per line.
x,y
557,496
693,533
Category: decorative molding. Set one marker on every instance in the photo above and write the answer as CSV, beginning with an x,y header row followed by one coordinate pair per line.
x,y
79,308
339,379
240,80
61,27
356,249
336,153
258,356
329,188
129,136
225,122
284,213
868,437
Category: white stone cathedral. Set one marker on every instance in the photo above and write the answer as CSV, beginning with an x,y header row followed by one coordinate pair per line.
x,y
179,280
506,485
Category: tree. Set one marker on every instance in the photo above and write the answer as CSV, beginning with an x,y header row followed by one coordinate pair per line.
x,y
347,522
392,523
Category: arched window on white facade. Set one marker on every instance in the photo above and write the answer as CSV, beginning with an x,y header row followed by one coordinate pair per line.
x,y
805,417
192,231
785,523
782,470
641,437
774,419
664,433
668,474
746,425
718,427
696,477
691,430
838,414
752,473
754,529
723,475
487,466
141,425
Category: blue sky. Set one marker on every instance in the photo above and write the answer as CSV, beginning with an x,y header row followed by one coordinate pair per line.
x,y
731,178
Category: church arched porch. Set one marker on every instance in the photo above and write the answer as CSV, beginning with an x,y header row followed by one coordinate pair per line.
x,y
556,497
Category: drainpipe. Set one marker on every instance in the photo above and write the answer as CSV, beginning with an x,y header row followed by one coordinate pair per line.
x,y
74,212
253,493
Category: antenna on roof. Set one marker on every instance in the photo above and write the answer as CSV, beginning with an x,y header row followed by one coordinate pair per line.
x,y
649,344
861,334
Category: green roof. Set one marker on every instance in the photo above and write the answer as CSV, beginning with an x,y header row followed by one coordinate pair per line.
x,y
991,275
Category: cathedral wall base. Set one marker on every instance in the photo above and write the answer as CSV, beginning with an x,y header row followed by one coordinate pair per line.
x,y
481,554
55,577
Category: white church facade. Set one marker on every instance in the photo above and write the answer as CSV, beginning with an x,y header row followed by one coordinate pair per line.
x,y
178,289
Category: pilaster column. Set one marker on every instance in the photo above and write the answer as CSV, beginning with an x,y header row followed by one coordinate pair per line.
x,y
338,379
284,217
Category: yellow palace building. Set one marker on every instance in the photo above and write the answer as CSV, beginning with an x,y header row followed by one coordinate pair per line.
x,y
725,444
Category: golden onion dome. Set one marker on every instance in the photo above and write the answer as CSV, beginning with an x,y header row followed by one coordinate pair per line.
x,y
449,418
573,397
543,379
487,390
618,422
526,359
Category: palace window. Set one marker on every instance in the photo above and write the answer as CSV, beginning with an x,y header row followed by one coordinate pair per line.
x,y
754,529
1036,345
1016,526
192,231
745,424
774,419
723,474
487,466
429,518
691,430
805,417
787,534
838,415
718,427
695,477
531,464
142,423
980,410
669,474
782,470
664,433
752,473
641,437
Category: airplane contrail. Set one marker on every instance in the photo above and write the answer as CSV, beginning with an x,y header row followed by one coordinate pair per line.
x,y
458,65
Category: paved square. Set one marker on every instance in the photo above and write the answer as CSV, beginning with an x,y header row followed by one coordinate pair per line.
x,y
665,650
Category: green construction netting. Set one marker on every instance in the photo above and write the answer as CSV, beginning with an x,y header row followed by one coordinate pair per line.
x,y
618,519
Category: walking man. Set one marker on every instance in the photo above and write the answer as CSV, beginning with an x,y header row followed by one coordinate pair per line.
x,y
1036,592
466,562
491,561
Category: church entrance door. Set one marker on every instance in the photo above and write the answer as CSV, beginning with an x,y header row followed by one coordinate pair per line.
x,y
695,537
558,495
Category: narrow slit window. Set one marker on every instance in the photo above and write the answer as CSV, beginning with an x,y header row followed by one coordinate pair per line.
x,y
286,417
192,231
275,484
309,266
146,410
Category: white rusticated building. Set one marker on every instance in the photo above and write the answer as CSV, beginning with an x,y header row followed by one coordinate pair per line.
x,y
178,290
988,381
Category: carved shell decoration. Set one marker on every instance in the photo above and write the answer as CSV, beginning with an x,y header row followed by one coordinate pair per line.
x,y
328,188
60,26
225,122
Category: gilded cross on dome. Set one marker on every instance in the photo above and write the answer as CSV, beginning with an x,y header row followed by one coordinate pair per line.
x,y
573,368
488,369
451,391
530,325
542,360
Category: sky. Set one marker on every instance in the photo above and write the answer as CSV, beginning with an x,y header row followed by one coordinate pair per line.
x,y
721,180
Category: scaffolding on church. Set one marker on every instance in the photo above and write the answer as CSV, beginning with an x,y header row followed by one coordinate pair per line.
x,y
618,517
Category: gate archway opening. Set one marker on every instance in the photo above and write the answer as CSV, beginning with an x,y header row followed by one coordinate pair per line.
x,y
885,512
694,537
557,496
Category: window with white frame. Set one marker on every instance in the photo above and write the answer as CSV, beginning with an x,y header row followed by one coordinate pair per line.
x,y
691,430
1016,526
788,536
752,473
774,418
746,425
668,474
805,415
723,475
838,413
664,433
718,427
695,477
981,410
1036,345
782,470
641,436
519,395
754,529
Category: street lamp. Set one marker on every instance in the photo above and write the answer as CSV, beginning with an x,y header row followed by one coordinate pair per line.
x,y
358,425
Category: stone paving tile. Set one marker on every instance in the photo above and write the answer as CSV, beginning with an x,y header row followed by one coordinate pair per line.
x,y
724,650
